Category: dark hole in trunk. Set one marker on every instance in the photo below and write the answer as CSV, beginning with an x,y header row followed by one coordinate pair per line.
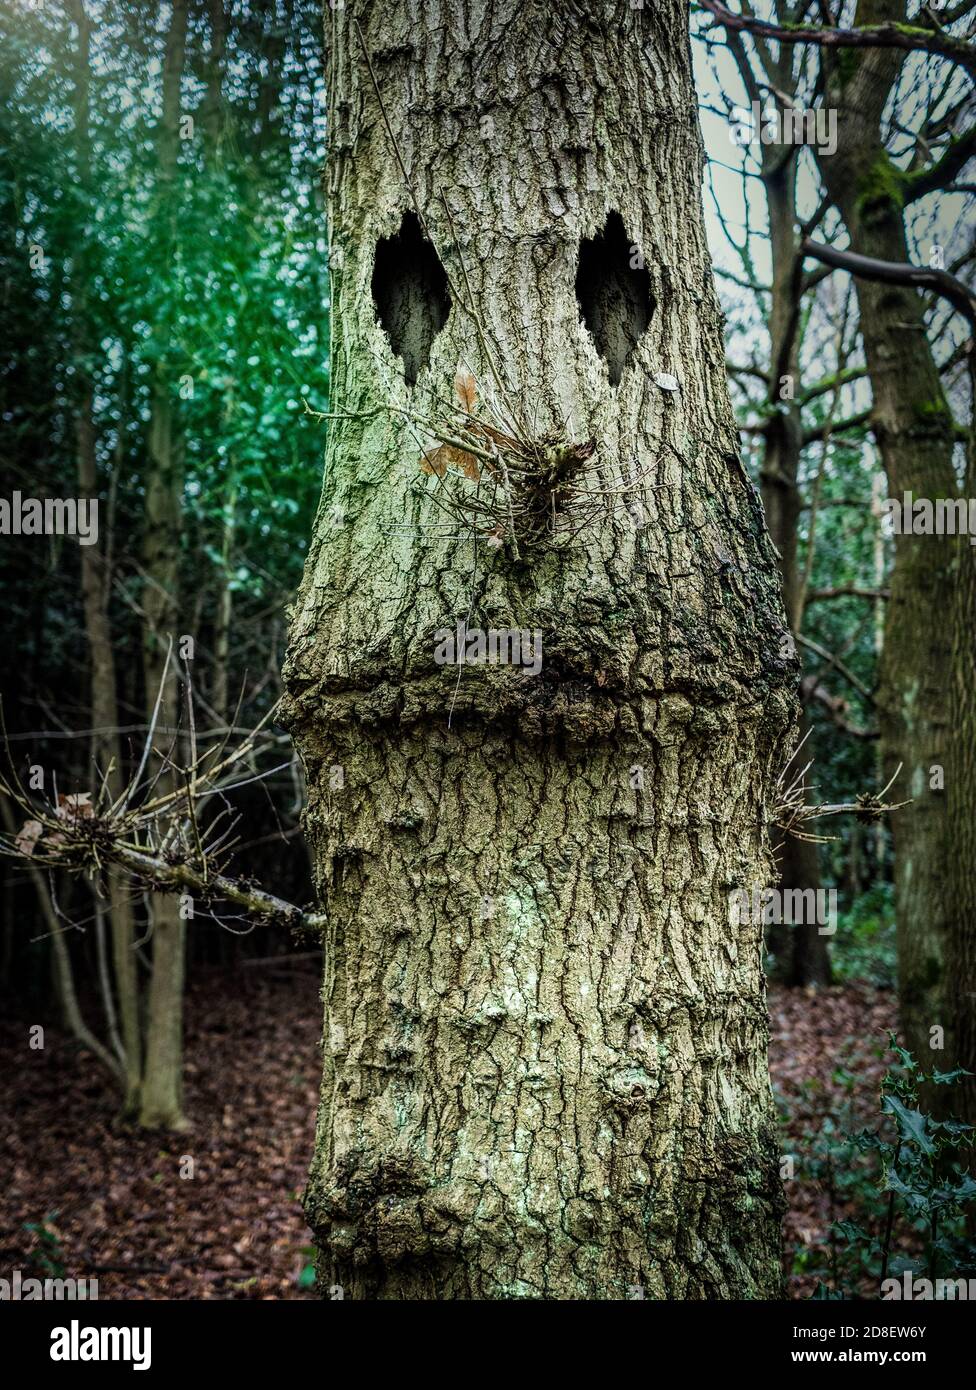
x,y
614,294
411,294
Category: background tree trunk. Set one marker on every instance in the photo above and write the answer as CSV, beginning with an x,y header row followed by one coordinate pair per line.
x,y
162,1091
915,434
95,586
961,779
802,948
545,1045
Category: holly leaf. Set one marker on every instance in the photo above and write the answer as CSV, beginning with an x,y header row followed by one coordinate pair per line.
x,y
949,1078
910,1122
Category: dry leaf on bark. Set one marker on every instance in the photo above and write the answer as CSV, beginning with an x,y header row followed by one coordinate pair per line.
x,y
464,385
439,460
29,835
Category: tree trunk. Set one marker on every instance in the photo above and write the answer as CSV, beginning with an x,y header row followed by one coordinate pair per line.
x,y
95,588
225,604
162,1089
61,970
214,111
545,1041
107,756
961,778
802,948
914,429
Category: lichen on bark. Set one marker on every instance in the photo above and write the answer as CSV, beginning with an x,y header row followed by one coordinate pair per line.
x,y
545,1042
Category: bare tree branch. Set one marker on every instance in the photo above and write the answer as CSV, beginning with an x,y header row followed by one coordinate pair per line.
x,y
835,661
159,839
941,174
959,295
847,591
830,427
180,877
910,38
836,707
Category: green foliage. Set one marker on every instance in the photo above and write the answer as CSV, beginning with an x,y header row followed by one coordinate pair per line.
x,y
47,1254
864,947
128,297
847,63
885,183
306,1277
228,313
906,1178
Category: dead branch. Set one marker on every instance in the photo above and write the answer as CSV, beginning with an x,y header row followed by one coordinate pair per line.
x,y
836,706
792,812
834,661
175,878
160,840
847,591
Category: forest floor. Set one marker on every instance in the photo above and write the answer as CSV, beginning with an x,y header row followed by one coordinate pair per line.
x,y
108,1202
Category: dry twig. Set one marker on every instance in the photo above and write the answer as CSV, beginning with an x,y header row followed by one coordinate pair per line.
x,y
791,811
161,840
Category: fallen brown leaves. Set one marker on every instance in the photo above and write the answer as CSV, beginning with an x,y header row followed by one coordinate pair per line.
x,y
236,1230
124,1215
815,1038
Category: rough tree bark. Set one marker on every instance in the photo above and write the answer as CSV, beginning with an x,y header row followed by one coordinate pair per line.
x,y
545,1039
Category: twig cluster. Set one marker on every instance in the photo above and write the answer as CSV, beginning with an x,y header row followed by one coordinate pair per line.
x,y
158,836
792,811
503,480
